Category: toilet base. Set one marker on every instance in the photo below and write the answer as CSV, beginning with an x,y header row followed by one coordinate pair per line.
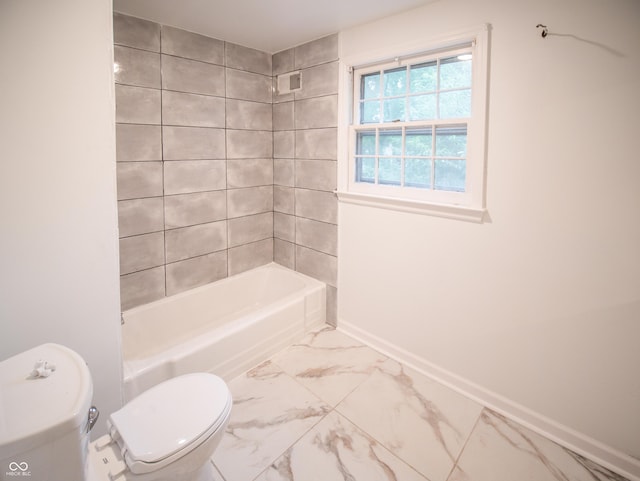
x,y
105,463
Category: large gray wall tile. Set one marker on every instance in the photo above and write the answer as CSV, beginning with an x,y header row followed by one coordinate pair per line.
x,y
252,200
284,253
248,86
136,67
283,199
284,226
282,98
319,236
190,209
195,240
283,172
284,144
317,205
249,172
140,216
141,252
249,256
247,144
196,272
317,144
283,116
138,142
283,62
137,105
193,143
316,174
319,81
221,204
194,110
316,52
249,59
252,228
247,115
192,76
142,287
182,43
135,32
139,179
317,265
186,176
316,113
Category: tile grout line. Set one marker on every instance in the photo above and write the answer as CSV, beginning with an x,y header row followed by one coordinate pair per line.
x,y
466,442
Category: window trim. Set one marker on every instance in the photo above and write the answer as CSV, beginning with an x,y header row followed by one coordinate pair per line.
x,y
470,206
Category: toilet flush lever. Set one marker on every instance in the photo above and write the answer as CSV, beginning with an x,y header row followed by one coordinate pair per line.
x,y
93,417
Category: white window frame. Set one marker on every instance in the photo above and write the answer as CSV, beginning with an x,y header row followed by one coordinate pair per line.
x,y
468,205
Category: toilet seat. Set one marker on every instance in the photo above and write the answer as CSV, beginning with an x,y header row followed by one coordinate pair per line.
x,y
169,420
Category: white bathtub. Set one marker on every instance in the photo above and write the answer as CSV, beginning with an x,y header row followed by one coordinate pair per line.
x,y
225,327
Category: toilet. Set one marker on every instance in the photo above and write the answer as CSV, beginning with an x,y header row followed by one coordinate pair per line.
x,y
166,433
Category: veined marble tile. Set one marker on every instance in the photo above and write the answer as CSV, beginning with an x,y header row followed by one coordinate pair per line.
x,y
419,420
500,449
336,450
270,412
329,364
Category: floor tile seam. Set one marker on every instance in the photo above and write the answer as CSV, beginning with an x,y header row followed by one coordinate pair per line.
x,y
466,442
297,440
382,444
332,406
217,470
484,407
422,372
388,450
336,408
293,443
281,371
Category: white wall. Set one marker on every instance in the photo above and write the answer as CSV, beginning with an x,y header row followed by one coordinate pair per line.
x,y
540,305
59,252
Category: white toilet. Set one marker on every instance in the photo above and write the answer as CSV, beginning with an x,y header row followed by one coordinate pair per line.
x,y
167,433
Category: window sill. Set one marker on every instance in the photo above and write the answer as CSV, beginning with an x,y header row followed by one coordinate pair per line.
x,y
449,211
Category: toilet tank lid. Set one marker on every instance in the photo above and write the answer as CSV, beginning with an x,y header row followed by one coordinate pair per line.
x,y
170,416
36,410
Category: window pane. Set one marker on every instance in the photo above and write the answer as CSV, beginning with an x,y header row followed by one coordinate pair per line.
x,y
422,107
417,173
455,73
370,86
455,104
418,142
390,142
370,112
450,175
394,109
366,169
422,78
395,82
366,143
389,171
451,142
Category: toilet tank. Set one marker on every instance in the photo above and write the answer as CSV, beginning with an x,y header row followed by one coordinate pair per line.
x,y
44,416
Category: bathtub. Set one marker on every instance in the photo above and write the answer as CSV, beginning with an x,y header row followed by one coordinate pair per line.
x,y
225,327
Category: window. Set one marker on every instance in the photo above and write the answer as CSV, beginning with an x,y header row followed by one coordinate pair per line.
x,y
417,130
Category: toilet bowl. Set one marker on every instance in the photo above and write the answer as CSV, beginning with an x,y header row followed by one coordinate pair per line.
x,y
168,432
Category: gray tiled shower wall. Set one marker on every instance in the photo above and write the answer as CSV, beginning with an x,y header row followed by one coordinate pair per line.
x,y
216,174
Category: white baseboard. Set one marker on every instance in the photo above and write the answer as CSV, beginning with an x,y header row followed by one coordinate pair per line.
x,y
586,446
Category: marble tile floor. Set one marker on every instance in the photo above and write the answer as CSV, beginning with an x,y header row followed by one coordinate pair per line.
x,y
331,409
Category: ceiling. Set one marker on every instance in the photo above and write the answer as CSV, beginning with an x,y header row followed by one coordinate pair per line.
x,y
266,25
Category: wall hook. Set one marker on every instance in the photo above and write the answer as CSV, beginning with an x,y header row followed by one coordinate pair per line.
x,y
545,30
